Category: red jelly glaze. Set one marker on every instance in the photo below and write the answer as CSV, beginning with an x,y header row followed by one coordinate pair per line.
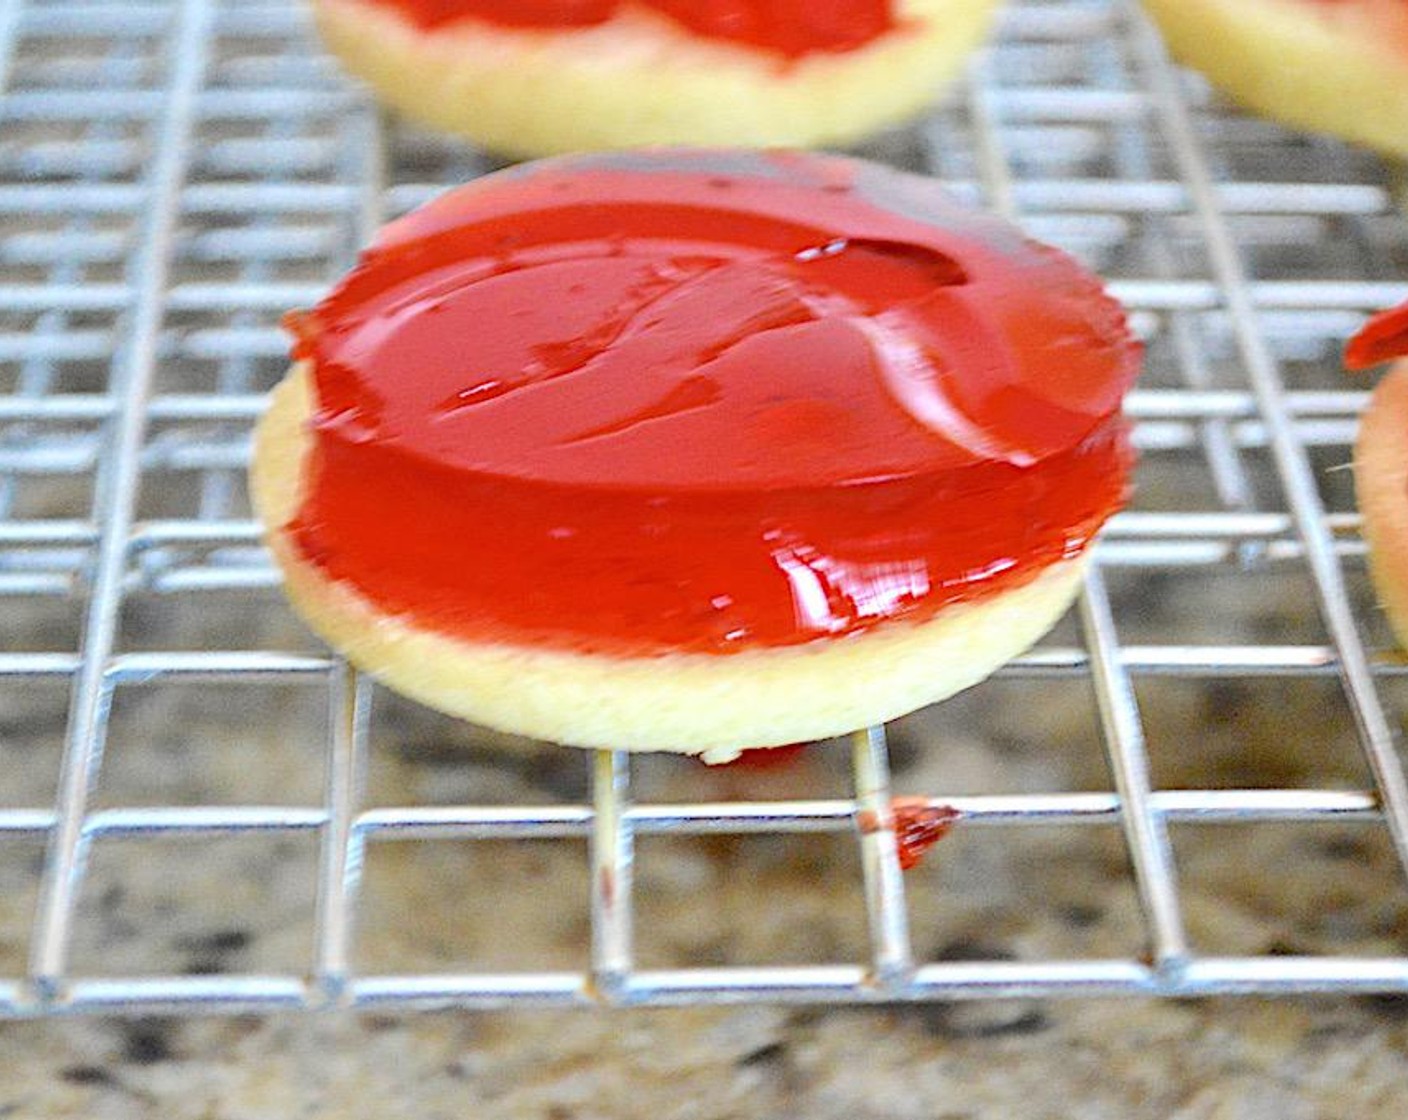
x,y
1383,338
787,27
710,402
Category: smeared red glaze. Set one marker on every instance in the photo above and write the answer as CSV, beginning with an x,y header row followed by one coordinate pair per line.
x,y
787,27
647,403
1381,339
918,827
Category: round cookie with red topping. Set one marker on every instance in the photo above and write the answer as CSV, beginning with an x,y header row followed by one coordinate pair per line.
x,y
1335,66
694,451
1381,462
538,77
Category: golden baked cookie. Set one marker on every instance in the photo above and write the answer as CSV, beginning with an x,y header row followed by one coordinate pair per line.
x,y
1381,463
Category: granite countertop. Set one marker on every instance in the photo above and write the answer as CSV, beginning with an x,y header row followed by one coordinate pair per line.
x,y
1222,1060
236,905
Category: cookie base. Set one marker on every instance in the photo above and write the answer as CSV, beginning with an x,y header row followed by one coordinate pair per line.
x,y
711,705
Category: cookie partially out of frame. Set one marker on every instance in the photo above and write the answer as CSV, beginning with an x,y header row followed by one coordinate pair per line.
x,y
1333,66
1381,462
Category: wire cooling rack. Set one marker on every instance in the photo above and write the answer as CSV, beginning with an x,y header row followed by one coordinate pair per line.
x,y
175,175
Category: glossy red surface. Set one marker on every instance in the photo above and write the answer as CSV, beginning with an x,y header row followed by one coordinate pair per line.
x,y
642,403
787,27
1382,338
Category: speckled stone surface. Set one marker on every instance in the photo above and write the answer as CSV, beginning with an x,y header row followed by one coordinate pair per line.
x,y
238,904
1221,1061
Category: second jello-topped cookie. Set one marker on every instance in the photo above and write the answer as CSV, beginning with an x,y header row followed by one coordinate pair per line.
x,y
1335,66
536,77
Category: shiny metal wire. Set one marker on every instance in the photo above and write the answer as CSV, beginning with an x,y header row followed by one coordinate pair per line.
x,y
101,154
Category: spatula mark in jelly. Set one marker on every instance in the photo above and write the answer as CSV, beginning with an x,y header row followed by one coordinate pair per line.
x,y
935,267
694,392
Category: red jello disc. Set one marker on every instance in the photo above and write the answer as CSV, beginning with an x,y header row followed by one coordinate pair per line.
x,y
642,403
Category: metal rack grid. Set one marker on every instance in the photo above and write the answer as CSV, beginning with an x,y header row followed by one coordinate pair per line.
x,y
177,174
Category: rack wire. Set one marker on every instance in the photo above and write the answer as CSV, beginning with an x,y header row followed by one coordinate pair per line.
x,y
176,174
